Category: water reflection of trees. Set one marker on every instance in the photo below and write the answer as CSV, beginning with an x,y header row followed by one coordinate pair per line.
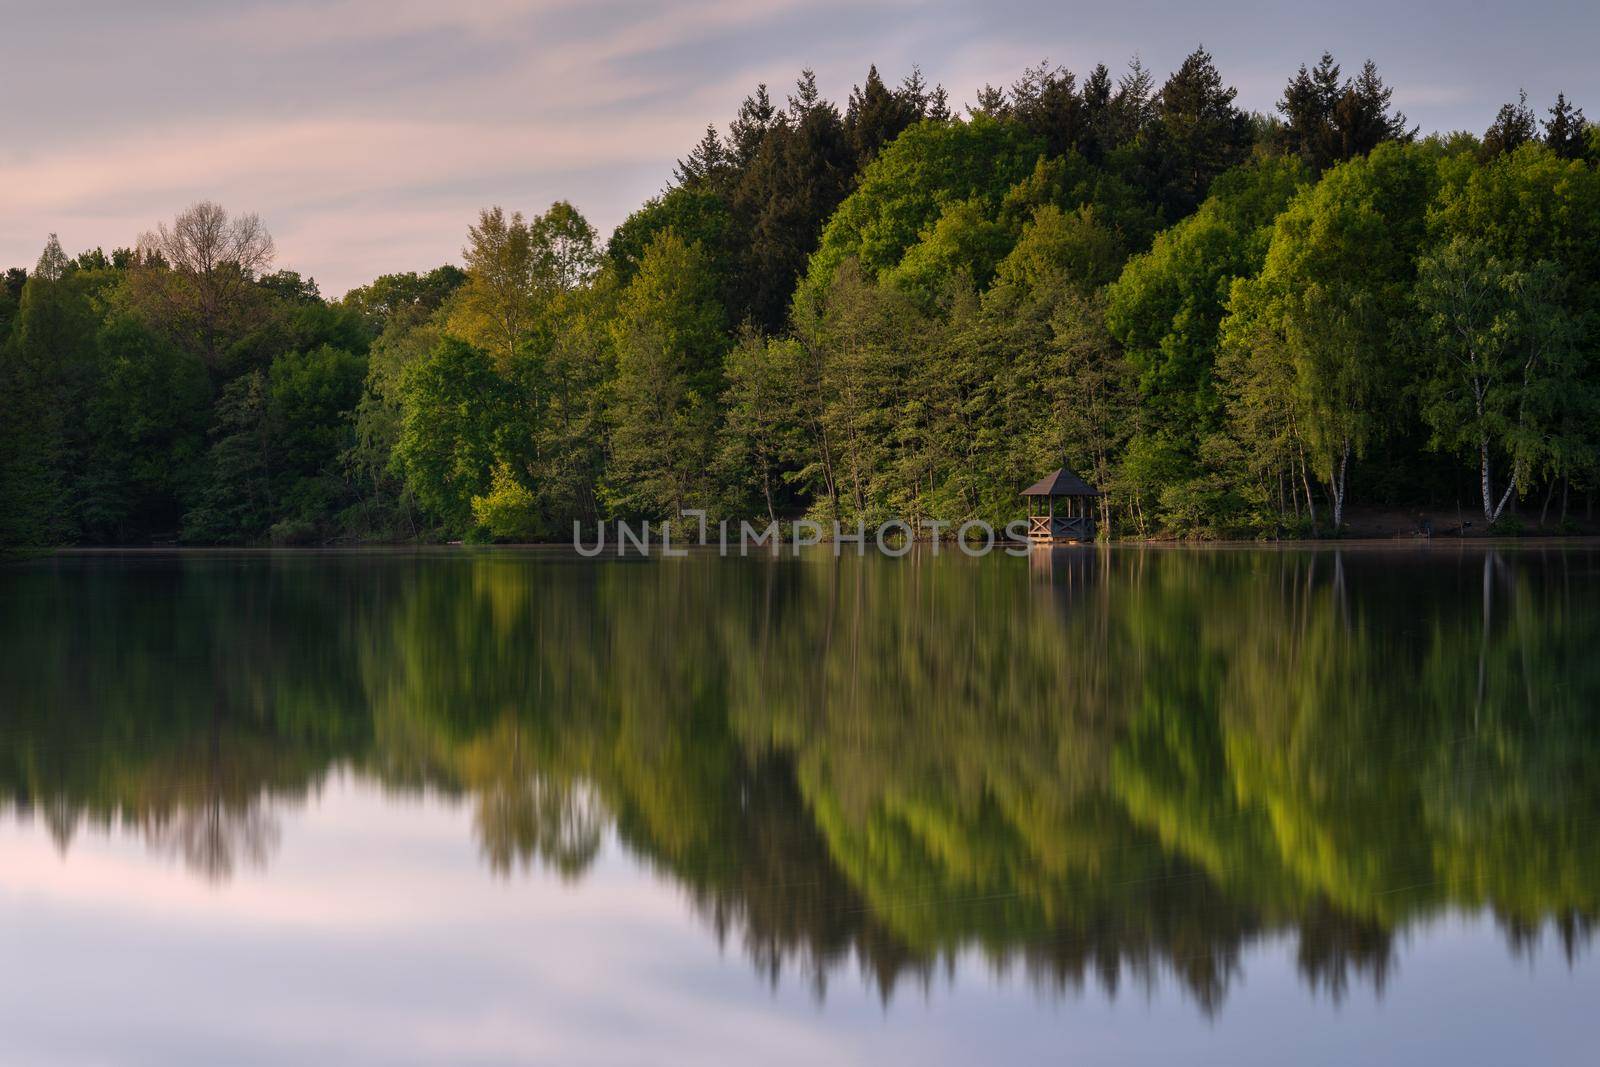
x,y
1087,767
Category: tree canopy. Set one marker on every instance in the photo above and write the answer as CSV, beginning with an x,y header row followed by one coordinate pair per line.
x,y
901,306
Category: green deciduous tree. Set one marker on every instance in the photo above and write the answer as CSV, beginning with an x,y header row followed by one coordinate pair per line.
x,y
46,375
407,295
385,501
858,340
1504,349
1167,305
454,407
497,308
146,426
273,465
1336,287
668,338
1526,210
905,190
759,436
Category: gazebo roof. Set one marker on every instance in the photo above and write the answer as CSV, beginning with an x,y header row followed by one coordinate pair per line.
x,y
1062,483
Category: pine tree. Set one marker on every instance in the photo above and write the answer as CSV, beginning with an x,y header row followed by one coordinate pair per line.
x,y
992,103
1565,131
1045,101
1362,117
756,117
707,164
1200,133
1328,122
876,116
1514,126
799,175
805,95
913,92
1099,135
1308,109
1133,106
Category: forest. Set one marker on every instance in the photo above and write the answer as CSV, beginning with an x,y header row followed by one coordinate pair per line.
x,y
1235,324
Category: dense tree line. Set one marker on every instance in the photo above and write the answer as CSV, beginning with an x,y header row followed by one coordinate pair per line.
x,y
1233,323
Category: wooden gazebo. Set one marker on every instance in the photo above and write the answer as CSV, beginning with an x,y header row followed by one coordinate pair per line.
x,y
1073,521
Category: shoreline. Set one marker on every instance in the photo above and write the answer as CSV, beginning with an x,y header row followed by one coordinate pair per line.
x,y
920,548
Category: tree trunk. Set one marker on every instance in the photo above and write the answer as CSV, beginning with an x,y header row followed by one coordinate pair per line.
x,y
1336,483
1483,478
1510,489
827,470
1311,503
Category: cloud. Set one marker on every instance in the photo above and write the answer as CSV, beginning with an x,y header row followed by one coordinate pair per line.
x,y
367,133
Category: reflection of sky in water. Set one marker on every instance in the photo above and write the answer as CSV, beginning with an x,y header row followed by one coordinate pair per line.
x,y
375,935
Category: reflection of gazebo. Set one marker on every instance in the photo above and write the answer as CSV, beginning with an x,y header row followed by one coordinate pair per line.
x,y
1076,522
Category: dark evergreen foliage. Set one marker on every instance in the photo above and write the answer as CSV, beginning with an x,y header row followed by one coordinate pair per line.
x,y
1514,126
1566,132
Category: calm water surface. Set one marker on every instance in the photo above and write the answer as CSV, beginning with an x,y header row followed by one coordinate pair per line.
x,y
1230,806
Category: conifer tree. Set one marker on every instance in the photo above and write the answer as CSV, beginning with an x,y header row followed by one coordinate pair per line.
x,y
876,115
1200,133
1362,118
1099,136
1045,101
708,163
756,118
914,91
1514,126
1565,131
991,103
1328,122
1133,105
1308,109
801,172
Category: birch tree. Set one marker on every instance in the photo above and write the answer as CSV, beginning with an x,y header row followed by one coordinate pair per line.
x,y
1339,273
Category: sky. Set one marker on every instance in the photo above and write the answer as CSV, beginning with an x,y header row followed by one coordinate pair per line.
x,y
368,133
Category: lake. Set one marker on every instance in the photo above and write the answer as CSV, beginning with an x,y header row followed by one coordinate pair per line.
x,y
1231,805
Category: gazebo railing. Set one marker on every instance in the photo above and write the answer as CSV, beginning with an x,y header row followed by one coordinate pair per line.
x,y
1060,528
